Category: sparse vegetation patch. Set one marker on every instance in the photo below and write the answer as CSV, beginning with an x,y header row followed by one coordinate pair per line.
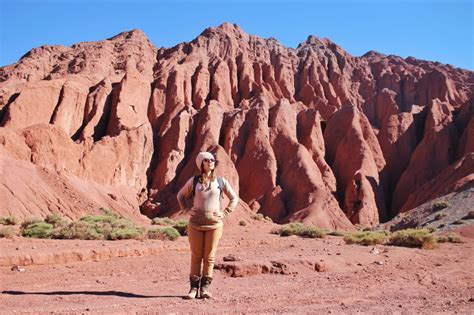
x,y
7,232
106,226
449,238
38,230
163,233
9,220
182,227
296,228
420,238
162,221
366,238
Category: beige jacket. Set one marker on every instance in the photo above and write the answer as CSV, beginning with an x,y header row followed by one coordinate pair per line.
x,y
206,210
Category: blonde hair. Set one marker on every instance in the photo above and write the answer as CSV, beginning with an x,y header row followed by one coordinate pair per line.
x,y
211,178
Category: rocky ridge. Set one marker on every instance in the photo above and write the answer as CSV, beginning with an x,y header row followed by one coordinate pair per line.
x,y
310,134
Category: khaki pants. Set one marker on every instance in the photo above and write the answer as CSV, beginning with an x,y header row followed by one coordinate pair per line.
x,y
203,246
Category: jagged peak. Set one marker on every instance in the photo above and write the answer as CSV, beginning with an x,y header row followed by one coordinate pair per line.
x,y
132,34
314,40
373,53
225,28
234,32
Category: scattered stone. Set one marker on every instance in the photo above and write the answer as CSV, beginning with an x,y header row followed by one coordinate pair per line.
x,y
374,251
17,269
232,257
378,262
235,269
320,267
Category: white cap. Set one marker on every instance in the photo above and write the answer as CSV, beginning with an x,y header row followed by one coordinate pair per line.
x,y
201,156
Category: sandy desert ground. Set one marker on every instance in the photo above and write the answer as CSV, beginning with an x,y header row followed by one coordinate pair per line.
x,y
274,275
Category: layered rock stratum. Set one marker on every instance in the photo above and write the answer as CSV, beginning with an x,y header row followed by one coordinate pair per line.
x,y
308,134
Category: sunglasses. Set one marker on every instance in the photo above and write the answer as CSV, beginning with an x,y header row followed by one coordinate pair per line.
x,y
209,160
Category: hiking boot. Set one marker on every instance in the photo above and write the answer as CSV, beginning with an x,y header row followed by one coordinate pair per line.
x,y
205,283
194,291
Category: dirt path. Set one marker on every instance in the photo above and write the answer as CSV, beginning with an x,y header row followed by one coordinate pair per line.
x,y
275,275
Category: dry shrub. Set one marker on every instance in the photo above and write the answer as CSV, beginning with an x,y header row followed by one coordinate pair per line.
x,y
420,238
366,238
38,230
181,226
55,219
162,221
163,233
7,232
296,228
449,238
9,220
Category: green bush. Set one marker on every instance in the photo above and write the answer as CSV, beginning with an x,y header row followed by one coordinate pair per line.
x,y
107,226
182,227
38,230
9,220
162,221
79,230
296,228
30,221
420,238
449,238
127,233
99,218
163,233
439,205
7,232
55,219
366,238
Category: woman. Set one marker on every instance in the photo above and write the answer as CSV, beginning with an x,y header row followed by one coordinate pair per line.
x,y
205,225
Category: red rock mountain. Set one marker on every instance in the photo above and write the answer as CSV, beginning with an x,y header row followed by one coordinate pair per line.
x,y
310,134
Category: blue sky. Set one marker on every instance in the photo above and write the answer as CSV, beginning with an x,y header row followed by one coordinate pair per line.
x,y
438,30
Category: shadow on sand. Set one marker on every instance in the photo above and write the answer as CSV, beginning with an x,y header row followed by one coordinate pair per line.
x,y
99,293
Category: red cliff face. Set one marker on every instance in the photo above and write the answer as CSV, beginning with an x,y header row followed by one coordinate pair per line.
x,y
309,134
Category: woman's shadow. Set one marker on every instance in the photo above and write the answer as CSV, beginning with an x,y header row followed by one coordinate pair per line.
x,y
99,293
